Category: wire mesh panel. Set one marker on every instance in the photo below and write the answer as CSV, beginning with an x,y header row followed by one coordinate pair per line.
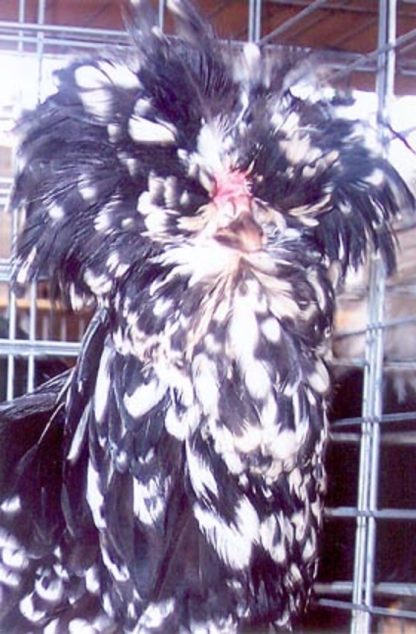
x,y
367,578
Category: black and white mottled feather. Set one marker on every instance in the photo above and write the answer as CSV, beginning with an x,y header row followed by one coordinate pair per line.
x,y
177,473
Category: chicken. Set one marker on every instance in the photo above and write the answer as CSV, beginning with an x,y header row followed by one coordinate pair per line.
x,y
207,207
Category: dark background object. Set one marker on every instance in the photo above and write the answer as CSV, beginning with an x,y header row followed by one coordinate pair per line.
x,y
396,539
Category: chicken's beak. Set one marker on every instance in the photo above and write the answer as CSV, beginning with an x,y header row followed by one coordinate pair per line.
x,y
236,223
242,233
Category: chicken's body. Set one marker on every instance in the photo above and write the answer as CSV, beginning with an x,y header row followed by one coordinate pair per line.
x,y
204,206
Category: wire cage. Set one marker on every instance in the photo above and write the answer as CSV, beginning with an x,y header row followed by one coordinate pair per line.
x,y
367,578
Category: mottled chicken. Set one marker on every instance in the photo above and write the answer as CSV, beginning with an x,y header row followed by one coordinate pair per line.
x,y
208,204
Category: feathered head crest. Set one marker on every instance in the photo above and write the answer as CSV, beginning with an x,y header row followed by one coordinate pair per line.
x,y
124,158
